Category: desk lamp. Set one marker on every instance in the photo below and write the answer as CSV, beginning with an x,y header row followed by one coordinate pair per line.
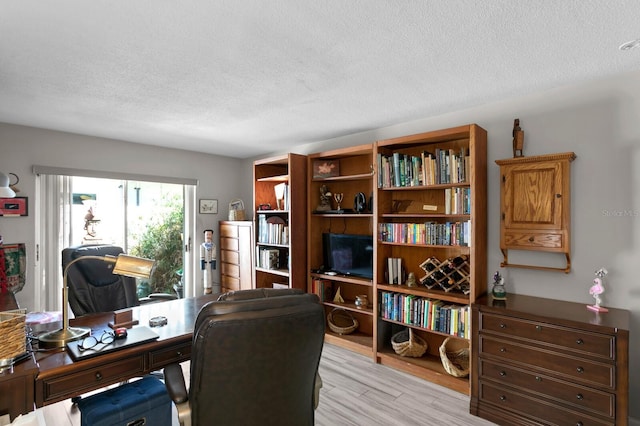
x,y
129,266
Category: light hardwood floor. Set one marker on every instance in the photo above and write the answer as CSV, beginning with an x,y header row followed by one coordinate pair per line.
x,y
357,392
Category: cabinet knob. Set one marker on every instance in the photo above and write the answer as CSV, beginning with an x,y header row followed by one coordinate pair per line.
x,y
503,349
579,396
503,398
179,354
503,373
538,379
503,325
538,327
558,195
579,424
531,239
580,370
98,376
579,341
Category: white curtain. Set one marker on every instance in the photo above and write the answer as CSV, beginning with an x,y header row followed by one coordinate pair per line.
x,y
53,195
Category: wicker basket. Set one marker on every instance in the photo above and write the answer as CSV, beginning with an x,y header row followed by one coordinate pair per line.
x,y
406,343
236,210
454,354
341,321
12,330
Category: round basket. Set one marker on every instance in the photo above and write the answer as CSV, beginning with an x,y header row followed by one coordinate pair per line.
x,y
406,343
454,354
341,321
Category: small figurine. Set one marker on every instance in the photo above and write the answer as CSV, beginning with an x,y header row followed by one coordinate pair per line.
x,y
338,297
325,199
597,289
498,291
411,280
518,139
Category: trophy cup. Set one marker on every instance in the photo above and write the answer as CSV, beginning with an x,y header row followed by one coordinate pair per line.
x,y
338,196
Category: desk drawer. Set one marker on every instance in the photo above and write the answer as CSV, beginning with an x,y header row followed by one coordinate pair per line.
x,y
584,342
73,384
540,410
228,231
555,364
599,402
163,357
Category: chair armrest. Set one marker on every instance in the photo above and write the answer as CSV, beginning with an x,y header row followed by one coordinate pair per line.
x,y
174,380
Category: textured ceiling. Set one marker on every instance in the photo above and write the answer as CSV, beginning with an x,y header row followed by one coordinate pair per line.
x,y
244,78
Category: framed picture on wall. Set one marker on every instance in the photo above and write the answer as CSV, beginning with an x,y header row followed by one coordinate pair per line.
x,y
208,206
326,168
17,206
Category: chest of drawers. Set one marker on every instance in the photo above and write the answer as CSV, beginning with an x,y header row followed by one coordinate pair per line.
x,y
541,361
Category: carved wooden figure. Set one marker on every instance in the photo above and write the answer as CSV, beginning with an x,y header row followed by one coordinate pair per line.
x,y
518,139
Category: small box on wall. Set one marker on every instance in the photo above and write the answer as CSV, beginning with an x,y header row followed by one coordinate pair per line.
x,y
326,168
17,206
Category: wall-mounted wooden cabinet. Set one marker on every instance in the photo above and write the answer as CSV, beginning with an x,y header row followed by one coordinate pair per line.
x,y
535,199
280,226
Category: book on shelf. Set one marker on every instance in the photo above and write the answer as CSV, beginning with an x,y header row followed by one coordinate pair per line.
x,y
443,166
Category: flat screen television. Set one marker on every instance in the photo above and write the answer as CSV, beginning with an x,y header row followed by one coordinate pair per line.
x,y
348,254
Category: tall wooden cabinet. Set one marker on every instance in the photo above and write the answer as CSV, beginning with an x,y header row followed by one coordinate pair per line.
x,y
430,222
236,255
280,227
347,171
535,200
542,361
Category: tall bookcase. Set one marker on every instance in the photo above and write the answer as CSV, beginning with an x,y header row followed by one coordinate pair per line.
x,y
280,225
430,214
347,171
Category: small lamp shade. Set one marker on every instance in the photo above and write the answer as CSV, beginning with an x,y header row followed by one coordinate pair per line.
x,y
5,190
131,266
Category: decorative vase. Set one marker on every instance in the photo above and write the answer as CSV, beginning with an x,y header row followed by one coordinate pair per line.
x,y
362,301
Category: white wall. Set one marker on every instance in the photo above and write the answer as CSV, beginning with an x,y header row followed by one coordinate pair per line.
x,y
597,121
22,147
600,123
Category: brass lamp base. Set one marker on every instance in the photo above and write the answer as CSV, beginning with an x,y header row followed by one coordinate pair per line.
x,y
59,338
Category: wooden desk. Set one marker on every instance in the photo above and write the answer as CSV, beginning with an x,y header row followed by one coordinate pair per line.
x,y
16,386
61,378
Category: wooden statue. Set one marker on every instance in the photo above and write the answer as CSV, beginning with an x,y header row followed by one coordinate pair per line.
x,y
518,139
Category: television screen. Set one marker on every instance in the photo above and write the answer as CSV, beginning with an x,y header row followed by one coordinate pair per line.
x,y
348,254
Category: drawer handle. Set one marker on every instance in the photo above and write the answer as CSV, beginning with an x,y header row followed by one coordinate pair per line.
x,y
538,327
579,396
98,376
179,354
503,349
579,423
503,373
503,325
531,239
580,370
503,398
538,378
579,341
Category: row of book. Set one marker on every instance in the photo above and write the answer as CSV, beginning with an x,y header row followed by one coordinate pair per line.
x,y
272,230
268,258
428,233
395,273
323,289
440,167
457,201
430,314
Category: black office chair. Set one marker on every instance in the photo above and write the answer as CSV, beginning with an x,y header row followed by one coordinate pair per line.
x,y
254,361
92,285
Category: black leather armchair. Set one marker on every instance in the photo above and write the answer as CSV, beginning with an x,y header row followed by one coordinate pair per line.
x,y
92,285
254,361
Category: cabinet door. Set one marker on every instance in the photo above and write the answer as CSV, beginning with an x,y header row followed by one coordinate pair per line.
x,y
532,196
